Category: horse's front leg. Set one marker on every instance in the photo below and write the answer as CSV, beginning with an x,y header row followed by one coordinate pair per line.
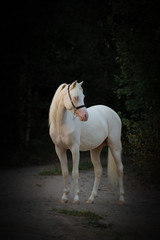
x,y
75,172
64,166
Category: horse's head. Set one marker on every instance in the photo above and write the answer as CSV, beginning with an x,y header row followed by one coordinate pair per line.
x,y
74,100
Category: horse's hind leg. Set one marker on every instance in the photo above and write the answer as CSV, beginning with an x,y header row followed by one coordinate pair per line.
x,y
116,148
64,166
95,158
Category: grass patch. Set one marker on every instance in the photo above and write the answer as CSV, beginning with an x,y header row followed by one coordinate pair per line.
x,y
87,214
85,165
39,185
54,171
92,218
57,170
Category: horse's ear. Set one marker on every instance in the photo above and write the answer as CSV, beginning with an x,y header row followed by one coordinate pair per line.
x,y
63,86
81,83
73,84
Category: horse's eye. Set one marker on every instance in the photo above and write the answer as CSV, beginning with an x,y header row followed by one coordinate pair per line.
x,y
76,98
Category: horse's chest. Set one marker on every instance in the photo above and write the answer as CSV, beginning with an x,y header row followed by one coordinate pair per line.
x,y
62,140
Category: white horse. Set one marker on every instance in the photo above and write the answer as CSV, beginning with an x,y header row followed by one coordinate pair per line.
x,y
74,127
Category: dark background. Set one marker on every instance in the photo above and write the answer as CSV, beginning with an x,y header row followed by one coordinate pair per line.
x,y
113,46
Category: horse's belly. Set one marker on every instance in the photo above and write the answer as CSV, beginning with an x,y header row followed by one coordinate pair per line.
x,y
92,137
90,145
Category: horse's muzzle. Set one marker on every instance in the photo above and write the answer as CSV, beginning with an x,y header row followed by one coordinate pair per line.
x,y
82,114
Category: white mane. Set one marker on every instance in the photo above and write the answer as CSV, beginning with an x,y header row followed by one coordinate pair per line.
x,y
53,106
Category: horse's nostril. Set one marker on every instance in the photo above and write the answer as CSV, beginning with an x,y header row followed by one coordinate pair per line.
x,y
86,116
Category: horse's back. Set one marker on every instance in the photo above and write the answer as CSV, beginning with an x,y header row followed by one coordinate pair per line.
x,y
105,113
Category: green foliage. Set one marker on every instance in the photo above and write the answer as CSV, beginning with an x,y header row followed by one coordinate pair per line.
x,y
144,147
138,50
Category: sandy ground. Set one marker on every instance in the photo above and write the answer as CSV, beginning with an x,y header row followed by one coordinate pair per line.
x,y
30,205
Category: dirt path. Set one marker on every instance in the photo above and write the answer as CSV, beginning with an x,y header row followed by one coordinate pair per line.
x,y
30,208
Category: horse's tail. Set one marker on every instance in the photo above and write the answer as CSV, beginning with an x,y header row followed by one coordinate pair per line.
x,y
112,170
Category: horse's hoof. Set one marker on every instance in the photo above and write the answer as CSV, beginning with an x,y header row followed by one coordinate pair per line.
x,y
89,201
75,201
64,200
121,202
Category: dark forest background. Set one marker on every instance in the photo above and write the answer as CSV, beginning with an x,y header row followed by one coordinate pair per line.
x,y
113,46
